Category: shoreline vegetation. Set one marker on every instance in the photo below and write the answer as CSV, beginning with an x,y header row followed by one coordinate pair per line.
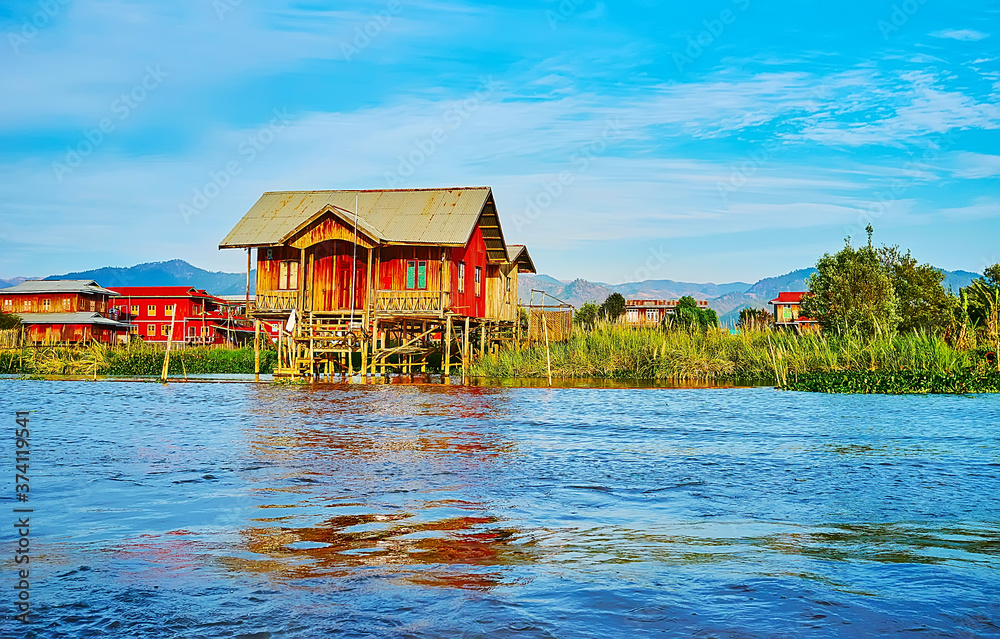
x,y
134,360
904,363
914,363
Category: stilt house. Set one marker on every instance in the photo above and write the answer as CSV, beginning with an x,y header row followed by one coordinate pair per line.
x,y
383,272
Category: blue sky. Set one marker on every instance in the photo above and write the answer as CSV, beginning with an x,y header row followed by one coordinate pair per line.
x,y
710,141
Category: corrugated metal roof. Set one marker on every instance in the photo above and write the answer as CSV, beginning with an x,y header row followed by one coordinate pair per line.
x,y
57,286
161,291
82,317
519,253
411,216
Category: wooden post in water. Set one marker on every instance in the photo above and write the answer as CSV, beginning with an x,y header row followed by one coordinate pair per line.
x,y
548,358
447,347
170,340
256,350
466,347
281,338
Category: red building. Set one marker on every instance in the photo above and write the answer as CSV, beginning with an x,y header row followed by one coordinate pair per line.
x,y
646,312
786,312
64,311
198,317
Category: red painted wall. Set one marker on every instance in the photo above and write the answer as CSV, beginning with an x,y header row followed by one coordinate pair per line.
x,y
473,254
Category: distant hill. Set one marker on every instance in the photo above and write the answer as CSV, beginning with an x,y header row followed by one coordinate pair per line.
x,y
12,282
726,299
172,273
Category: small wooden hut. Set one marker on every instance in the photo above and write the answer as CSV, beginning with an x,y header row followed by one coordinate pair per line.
x,y
392,274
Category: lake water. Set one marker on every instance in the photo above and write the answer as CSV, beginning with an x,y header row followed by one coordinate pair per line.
x,y
241,510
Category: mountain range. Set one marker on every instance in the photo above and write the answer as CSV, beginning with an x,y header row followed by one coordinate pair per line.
x,y
726,299
171,273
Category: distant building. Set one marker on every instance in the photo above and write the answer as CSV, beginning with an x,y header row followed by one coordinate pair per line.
x,y
786,312
649,312
198,316
64,311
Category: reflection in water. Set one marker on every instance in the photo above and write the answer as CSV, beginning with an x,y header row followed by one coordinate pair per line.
x,y
416,510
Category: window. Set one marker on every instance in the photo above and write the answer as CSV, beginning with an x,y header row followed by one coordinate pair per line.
x,y
168,309
651,314
192,331
507,283
461,277
196,309
422,274
270,253
27,305
46,305
204,331
67,303
151,330
134,310
7,303
93,306
151,310
165,330
479,281
134,329
411,274
786,313
288,276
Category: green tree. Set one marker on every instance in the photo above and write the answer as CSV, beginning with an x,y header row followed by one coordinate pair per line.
x,y
921,300
982,295
851,292
613,307
688,315
586,315
8,320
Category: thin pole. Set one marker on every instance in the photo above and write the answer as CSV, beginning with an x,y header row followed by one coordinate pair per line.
x,y
170,340
248,280
466,346
548,358
354,259
256,350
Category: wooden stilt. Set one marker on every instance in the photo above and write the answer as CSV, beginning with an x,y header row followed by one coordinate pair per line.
x,y
256,350
447,347
466,347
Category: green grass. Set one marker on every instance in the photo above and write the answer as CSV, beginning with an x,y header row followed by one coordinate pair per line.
x,y
133,360
778,357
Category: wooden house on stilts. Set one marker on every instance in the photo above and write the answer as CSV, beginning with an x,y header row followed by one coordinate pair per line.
x,y
395,275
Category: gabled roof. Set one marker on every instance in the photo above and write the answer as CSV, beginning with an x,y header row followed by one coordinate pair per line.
x,y
788,297
81,317
405,216
161,291
42,287
518,254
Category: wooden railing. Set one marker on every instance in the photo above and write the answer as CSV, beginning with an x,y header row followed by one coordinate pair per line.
x,y
274,301
409,301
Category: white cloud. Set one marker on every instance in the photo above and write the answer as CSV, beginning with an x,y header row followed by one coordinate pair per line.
x,y
975,165
965,35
